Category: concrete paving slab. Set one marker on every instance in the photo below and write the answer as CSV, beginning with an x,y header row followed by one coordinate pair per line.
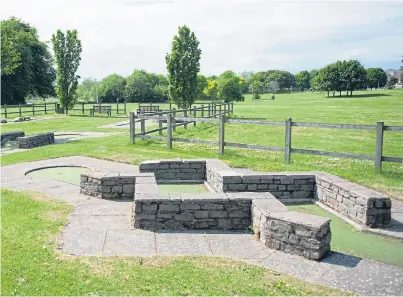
x,y
95,222
82,241
100,207
237,245
182,244
134,242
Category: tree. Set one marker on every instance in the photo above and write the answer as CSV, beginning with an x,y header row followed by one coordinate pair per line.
x,y
67,49
86,91
26,63
256,88
392,81
183,65
230,87
201,85
112,88
248,77
303,80
212,89
273,87
376,78
353,76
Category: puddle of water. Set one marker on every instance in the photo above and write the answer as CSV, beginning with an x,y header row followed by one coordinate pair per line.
x,y
69,175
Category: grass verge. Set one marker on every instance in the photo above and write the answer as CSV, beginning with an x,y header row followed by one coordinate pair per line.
x,y
30,265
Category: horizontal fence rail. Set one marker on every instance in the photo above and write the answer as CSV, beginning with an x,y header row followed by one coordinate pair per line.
x,y
22,109
219,117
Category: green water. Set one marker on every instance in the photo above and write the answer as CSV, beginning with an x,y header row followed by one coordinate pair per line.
x,y
348,240
66,174
182,188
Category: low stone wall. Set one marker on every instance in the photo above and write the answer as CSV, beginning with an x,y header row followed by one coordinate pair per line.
x,y
293,232
175,170
108,185
357,203
32,141
12,136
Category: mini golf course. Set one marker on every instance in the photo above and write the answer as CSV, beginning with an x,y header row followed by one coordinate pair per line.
x,y
69,175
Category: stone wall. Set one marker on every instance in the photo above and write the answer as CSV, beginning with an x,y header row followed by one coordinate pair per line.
x,y
32,141
357,203
175,170
12,136
293,232
108,185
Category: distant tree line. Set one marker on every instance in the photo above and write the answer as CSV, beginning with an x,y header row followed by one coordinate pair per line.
x,y
27,69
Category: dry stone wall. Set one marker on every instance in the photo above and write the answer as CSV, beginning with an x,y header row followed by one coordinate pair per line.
x,y
175,170
32,141
293,232
12,136
108,185
359,204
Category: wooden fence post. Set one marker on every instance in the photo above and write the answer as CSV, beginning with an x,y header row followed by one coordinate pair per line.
x,y
5,110
160,123
33,108
209,110
117,107
124,106
170,106
379,146
45,108
221,135
132,128
219,109
169,131
185,114
82,107
55,107
19,109
194,115
143,126
232,107
202,111
173,120
225,108
287,148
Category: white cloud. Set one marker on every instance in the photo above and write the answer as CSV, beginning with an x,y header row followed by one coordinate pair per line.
x,y
119,36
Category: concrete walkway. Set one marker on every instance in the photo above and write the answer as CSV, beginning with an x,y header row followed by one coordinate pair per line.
x,y
103,228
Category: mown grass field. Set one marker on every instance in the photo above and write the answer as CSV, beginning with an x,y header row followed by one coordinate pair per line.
x,y
31,265
363,108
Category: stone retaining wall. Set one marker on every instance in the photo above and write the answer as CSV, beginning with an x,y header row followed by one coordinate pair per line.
x,y
357,203
293,232
212,211
175,170
32,141
108,185
12,136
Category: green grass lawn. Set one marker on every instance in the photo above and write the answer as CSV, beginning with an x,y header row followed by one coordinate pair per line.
x,y
31,265
363,108
348,240
66,174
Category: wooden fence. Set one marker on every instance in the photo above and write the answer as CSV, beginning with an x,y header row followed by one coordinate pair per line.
x,y
86,107
21,109
171,119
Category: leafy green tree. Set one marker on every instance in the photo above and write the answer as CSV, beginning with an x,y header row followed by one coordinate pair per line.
x,y
212,89
230,87
112,88
183,65
26,63
86,90
376,78
353,76
392,81
256,88
248,77
67,49
303,80
201,86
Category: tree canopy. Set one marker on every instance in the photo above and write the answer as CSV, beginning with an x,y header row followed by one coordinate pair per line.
x,y
376,78
112,88
183,65
26,63
67,49
230,87
303,80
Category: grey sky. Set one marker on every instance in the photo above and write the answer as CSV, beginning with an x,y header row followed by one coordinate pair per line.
x,y
122,35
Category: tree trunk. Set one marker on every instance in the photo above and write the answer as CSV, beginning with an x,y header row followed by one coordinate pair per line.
x,y
328,94
340,94
351,93
67,111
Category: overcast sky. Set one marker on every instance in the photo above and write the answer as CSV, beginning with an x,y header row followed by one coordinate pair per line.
x,y
119,36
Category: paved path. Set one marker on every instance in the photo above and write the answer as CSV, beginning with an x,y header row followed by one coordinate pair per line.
x,y
103,228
